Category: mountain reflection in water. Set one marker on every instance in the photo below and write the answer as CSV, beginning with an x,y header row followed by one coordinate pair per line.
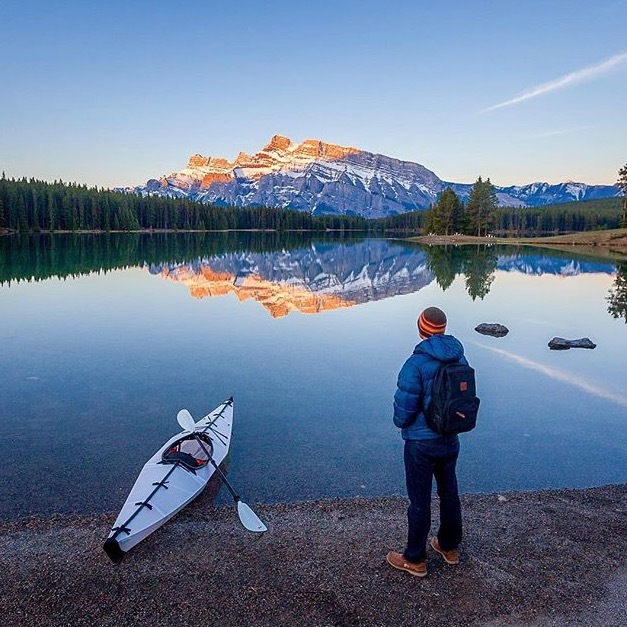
x,y
309,280
321,278
292,272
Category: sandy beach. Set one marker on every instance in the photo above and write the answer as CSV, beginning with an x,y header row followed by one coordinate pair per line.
x,y
529,558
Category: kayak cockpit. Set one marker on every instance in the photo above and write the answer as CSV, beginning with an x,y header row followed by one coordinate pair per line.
x,y
188,451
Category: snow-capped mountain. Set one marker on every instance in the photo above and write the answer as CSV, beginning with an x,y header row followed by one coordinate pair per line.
x,y
323,178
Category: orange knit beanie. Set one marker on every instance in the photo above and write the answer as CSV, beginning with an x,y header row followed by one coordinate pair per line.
x,y
432,321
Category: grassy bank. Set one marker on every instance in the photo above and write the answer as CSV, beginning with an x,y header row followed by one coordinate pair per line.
x,y
611,238
610,244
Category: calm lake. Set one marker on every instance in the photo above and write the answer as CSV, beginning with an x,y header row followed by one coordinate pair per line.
x,y
105,337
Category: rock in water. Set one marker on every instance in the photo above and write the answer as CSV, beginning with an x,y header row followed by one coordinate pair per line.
x,y
495,330
560,344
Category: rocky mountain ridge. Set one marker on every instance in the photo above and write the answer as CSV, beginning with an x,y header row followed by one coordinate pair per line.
x,y
323,178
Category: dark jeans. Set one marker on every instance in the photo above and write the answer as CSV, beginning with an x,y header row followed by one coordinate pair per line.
x,y
425,459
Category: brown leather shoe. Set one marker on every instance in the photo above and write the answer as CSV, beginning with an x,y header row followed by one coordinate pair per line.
x,y
397,560
450,557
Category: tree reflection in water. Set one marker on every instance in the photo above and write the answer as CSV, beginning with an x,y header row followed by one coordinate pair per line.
x,y
361,270
477,263
617,299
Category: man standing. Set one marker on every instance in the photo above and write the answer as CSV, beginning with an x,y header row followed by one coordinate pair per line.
x,y
427,454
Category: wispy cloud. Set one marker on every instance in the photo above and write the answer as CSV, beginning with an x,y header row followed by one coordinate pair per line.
x,y
560,375
568,80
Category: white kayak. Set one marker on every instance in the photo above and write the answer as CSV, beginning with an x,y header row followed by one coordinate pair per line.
x,y
173,477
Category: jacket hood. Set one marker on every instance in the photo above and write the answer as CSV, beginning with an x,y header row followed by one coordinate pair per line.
x,y
444,348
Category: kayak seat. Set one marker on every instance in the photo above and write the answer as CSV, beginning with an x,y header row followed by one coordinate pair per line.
x,y
183,458
189,452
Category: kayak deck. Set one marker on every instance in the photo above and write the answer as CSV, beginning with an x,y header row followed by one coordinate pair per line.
x,y
170,479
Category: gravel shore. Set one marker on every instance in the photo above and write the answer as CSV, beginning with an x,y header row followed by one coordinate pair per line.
x,y
529,558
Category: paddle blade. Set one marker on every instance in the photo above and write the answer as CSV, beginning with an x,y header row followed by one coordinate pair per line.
x,y
249,519
184,418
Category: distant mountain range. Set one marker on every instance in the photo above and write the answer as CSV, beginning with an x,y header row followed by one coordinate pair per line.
x,y
322,178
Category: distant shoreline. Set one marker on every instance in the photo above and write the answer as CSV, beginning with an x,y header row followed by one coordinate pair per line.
x,y
172,231
611,238
608,243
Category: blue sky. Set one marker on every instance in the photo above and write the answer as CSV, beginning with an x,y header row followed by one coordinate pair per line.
x,y
114,93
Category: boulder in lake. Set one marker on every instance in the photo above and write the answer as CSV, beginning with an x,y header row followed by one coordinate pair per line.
x,y
495,330
560,344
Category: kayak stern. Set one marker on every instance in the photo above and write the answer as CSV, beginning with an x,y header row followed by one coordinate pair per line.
x,y
113,550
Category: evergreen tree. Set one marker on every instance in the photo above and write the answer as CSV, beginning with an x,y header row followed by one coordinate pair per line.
x,y
622,184
446,216
432,220
32,205
3,218
449,210
481,207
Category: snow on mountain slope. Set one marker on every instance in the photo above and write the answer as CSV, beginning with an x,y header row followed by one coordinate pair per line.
x,y
322,178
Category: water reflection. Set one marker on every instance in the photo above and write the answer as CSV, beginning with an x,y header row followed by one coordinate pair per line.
x,y
312,279
323,277
617,299
112,357
476,263
289,272
44,256
561,375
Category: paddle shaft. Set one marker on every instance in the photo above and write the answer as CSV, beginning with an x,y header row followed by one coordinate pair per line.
x,y
247,517
217,469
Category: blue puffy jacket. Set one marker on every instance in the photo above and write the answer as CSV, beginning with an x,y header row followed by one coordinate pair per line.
x,y
415,384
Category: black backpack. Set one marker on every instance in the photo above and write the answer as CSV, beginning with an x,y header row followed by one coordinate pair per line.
x,y
454,403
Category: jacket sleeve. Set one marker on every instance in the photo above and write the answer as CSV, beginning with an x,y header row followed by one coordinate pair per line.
x,y
408,396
